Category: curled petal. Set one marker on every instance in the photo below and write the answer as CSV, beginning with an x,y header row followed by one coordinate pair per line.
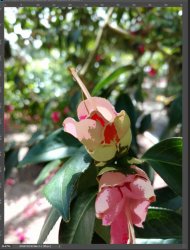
x,y
142,189
69,126
140,172
101,105
139,209
109,204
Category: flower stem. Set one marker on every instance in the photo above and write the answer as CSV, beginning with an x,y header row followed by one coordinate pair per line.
x,y
80,83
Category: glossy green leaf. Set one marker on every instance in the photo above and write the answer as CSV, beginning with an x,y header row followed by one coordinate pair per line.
x,y
166,198
60,190
46,171
87,179
80,228
161,223
49,223
166,159
111,78
57,145
36,137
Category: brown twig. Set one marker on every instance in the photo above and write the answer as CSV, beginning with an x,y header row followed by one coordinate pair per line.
x,y
80,83
97,43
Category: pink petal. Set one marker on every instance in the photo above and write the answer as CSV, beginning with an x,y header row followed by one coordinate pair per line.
x,y
69,126
109,204
119,230
140,172
142,189
111,179
99,105
139,209
87,131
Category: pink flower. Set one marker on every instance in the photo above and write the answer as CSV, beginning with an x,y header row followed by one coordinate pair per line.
x,y
55,116
122,202
102,130
21,235
10,182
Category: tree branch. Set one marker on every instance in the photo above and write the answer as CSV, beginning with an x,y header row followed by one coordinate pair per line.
x,y
97,43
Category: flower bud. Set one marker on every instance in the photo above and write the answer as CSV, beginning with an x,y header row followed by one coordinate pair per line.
x,y
102,130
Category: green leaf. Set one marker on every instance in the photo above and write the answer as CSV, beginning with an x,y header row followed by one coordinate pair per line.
x,y
79,229
158,241
35,138
49,223
166,159
46,171
166,198
60,190
83,182
57,145
175,112
102,231
145,123
11,161
107,81
161,223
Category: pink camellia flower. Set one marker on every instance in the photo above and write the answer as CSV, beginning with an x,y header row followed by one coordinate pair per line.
x,y
55,116
122,202
102,130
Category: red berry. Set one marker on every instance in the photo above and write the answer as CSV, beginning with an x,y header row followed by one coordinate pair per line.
x,y
141,48
55,116
98,58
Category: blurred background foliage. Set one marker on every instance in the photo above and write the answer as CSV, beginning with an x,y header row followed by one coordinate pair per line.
x,y
132,56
